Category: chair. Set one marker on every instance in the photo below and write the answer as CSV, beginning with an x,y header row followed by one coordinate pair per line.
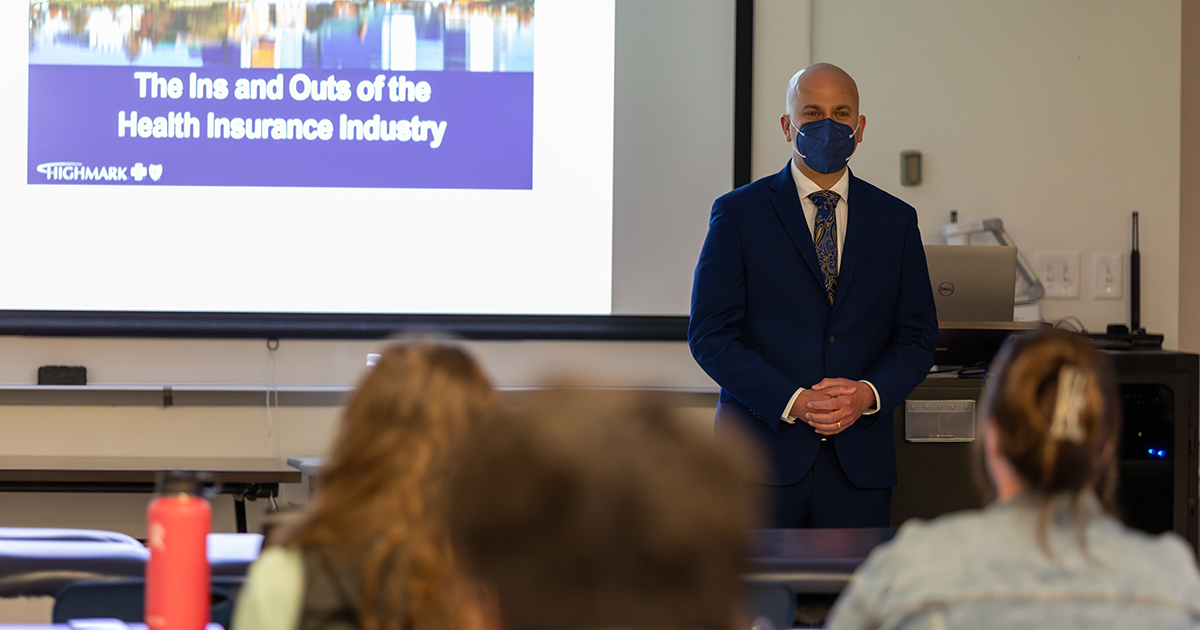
x,y
232,554
78,535
125,599
38,567
41,561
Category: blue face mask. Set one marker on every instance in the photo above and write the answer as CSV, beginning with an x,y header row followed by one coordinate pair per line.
x,y
826,145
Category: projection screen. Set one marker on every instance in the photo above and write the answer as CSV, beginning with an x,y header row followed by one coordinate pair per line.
x,y
346,168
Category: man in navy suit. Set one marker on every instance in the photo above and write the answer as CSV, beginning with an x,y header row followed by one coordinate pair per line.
x,y
812,309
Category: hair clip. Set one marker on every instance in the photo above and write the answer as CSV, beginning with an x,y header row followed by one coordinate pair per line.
x,y
1068,407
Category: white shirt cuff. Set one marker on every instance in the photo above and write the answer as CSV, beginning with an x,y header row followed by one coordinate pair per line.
x,y
787,411
873,408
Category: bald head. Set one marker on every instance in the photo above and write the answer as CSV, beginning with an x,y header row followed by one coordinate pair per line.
x,y
820,80
819,92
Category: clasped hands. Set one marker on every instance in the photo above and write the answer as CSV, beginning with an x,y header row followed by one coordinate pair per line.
x,y
833,405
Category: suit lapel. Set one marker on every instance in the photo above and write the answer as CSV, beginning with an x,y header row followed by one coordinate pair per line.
x,y
858,224
791,214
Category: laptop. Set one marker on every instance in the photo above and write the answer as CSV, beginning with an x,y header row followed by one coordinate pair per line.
x,y
973,283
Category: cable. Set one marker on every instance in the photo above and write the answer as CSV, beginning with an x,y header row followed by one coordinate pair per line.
x,y
1076,324
273,401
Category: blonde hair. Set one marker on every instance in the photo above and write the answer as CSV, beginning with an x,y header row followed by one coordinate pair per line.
x,y
378,503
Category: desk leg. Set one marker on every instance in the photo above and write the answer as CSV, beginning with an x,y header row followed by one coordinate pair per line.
x,y
239,512
251,491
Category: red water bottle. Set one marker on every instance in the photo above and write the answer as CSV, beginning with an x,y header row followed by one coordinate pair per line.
x,y
177,577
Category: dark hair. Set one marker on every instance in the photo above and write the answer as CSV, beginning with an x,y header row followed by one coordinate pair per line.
x,y
378,503
598,510
1023,396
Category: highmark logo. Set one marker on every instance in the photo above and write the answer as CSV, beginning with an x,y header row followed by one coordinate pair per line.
x,y
76,171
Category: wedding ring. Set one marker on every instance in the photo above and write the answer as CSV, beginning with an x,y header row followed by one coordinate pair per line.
x,y
839,425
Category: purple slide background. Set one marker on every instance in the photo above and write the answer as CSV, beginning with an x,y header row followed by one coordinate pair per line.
x,y
488,144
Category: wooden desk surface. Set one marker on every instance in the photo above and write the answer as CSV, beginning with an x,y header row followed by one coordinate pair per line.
x,y
64,469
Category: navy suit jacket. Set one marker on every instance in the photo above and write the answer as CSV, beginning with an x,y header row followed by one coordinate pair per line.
x,y
761,325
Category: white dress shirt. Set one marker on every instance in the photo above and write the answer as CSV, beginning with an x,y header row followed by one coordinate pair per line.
x,y
804,188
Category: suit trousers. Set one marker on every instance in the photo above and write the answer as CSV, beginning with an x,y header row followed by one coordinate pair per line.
x,y
825,497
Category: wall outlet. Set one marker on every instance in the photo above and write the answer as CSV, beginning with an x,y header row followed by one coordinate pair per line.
x,y
1107,275
1059,273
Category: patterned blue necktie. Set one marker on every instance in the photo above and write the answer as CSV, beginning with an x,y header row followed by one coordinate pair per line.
x,y
825,237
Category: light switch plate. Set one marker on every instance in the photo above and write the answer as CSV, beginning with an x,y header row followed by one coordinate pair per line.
x,y
1107,275
1059,273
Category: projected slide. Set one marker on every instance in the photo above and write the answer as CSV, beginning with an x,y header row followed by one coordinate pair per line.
x,y
308,156
345,93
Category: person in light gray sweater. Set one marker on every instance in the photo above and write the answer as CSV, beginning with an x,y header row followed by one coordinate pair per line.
x,y
1046,553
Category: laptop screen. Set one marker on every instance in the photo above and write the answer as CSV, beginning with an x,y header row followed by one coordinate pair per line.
x,y
973,283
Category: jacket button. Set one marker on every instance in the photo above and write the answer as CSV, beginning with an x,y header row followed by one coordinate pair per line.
x,y
830,340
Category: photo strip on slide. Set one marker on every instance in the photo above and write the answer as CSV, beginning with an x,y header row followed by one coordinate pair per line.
x,y
300,93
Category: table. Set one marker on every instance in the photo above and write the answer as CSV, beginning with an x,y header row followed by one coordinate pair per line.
x,y
798,573
811,560
307,465
243,477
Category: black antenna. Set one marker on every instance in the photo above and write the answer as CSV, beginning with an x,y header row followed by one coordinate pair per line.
x,y
1135,283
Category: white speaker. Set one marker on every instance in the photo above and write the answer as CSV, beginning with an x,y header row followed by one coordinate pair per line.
x,y
939,420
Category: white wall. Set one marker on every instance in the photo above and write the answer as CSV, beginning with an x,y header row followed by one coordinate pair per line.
x,y
306,362
69,430
249,431
1059,117
1189,179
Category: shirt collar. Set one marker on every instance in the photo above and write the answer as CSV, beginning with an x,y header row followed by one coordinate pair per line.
x,y
806,187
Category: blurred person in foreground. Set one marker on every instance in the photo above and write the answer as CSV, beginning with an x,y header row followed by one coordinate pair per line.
x,y
586,511
371,551
1046,553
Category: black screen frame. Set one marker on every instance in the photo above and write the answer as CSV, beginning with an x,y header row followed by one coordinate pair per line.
x,y
339,326
379,326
